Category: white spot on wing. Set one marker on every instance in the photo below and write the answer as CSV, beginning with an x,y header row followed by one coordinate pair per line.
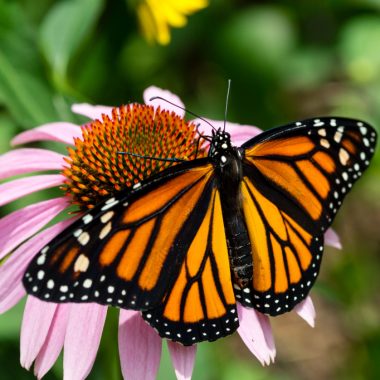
x,y
325,143
81,263
40,275
87,218
338,136
84,238
109,204
87,283
343,156
318,123
41,260
105,230
111,289
77,233
107,216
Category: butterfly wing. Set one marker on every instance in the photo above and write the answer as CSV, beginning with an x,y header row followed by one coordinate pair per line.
x,y
295,179
201,304
153,248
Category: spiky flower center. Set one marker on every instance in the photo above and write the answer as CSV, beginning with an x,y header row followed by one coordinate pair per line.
x,y
97,169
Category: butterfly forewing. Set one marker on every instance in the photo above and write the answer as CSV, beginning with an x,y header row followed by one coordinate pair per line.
x,y
121,253
295,179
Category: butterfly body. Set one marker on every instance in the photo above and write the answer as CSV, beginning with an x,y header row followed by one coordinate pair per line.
x,y
244,224
228,161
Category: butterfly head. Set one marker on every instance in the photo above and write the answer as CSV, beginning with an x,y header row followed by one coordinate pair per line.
x,y
220,145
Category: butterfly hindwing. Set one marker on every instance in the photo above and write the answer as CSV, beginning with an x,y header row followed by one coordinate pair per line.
x,y
201,304
286,257
295,179
123,252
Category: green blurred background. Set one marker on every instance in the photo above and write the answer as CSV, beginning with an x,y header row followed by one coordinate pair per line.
x,y
287,60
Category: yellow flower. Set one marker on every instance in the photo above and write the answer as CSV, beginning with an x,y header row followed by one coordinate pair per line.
x,y
157,16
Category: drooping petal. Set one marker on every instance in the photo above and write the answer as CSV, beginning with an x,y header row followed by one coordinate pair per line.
x,y
91,111
28,160
12,297
12,271
139,347
153,91
21,224
54,341
268,334
60,131
255,334
239,133
183,358
38,316
306,311
84,330
18,188
332,239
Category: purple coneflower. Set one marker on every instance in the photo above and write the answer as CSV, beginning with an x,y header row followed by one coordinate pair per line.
x,y
87,175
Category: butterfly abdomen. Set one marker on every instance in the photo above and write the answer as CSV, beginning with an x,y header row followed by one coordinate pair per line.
x,y
239,246
239,249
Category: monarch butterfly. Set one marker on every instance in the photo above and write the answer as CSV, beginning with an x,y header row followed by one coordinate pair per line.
x,y
243,224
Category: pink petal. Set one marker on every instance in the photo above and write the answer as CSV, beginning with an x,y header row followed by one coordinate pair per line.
x,y
139,347
268,334
18,188
306,311
29,160
239,133
21,224
12,271
12,297
92,112
153,91
54,341
38,316
256,334
183,358
84,330
60,131
332,239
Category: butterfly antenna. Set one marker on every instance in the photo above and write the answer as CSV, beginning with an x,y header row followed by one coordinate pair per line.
x,y
227,100
184,109
169,159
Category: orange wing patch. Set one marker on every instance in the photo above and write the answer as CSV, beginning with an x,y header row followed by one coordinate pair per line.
x,y
262,277
284,147
325,162
162,195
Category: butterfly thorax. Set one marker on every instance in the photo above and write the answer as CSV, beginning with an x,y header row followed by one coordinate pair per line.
x,y
229,172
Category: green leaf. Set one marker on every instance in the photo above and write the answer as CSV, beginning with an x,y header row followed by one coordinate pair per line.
x,y
10,321
64,29
7,131
25,95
